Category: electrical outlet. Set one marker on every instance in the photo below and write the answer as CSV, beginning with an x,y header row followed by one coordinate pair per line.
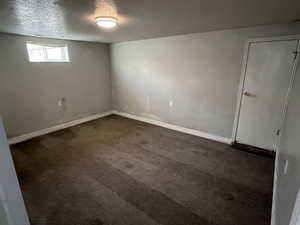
x,y
61,102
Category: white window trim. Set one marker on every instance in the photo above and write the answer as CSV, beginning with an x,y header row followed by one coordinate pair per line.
x,y
49,45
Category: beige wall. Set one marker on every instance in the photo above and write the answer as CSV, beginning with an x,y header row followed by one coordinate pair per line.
x,y
29,92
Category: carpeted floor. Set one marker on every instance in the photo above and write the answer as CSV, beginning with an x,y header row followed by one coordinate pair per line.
x,y
117,171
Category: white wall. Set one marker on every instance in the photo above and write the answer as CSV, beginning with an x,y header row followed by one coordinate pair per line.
x,y
29,92
199,73
289,150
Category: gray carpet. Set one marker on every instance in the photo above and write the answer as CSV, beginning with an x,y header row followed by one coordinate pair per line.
x,y
117,171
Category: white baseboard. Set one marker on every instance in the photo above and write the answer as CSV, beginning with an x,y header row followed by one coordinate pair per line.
x,y
38,133
175,127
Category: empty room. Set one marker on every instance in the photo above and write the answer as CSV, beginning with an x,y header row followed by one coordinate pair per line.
x,y
149,112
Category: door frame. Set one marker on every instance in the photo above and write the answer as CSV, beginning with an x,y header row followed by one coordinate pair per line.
x,y
239,101
243,77
13,208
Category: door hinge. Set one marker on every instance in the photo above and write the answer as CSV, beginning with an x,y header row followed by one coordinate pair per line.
x,y
295,54
278,132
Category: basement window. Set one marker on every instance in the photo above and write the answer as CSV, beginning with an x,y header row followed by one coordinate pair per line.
x,y
47,53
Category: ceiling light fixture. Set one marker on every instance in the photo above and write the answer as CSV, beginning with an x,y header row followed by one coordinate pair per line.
x,y
106,21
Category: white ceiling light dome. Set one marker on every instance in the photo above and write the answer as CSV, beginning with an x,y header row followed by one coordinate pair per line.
x,y
106,21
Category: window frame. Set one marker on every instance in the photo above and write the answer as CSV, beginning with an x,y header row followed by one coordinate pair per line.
x,y
45,45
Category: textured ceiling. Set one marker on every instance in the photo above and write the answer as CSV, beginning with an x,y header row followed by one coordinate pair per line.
x,y
139,19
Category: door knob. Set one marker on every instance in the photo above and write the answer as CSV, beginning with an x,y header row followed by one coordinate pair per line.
x,y
246,93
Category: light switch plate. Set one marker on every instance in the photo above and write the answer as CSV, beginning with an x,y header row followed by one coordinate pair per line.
x,y
286,166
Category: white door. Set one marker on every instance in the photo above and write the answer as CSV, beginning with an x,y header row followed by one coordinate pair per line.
x,y
267,79
12,209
